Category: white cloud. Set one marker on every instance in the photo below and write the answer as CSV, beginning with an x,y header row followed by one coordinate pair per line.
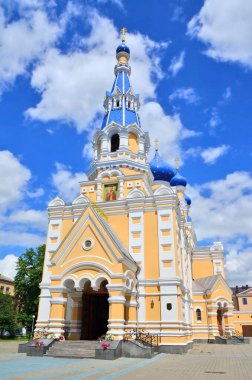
x,y
91,67
225,27
16,238
222,209
119,3
211,155
14,178
215,119
169,130
8,265
177,63
36,193
16,219
22,41
227,94
178,14
188,94
66,182
238,266
31,218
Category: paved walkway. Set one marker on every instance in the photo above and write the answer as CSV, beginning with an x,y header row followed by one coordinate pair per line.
x,y
203,362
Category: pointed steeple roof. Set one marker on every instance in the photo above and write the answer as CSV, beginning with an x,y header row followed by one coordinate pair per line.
x,y
121,104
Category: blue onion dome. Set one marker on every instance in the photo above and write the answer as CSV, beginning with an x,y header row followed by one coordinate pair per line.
x,y
178,180
122,48
187,199
160,169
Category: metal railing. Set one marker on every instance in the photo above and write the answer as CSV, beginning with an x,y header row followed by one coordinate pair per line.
x,y
145,337
235,333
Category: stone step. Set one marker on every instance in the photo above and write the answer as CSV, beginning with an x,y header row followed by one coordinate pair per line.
x,y
71,355
73,349
80,343
76,345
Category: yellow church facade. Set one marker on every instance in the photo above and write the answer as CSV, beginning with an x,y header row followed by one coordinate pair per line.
x,y
124,256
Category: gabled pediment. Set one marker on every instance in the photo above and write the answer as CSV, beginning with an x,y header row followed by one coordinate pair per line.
x,y
211,284
91,239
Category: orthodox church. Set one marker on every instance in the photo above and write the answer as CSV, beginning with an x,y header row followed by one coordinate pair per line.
x,y
124,254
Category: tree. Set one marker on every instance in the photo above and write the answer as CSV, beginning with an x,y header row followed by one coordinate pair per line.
x,y
8,314
27,280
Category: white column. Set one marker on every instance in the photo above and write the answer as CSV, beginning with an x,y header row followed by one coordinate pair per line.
x,y
136,239
141,146
124,140
99,191
104,144
120,179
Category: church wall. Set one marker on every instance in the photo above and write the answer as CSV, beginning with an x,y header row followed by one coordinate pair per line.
x,y
202,268
151,243
66,226
133,143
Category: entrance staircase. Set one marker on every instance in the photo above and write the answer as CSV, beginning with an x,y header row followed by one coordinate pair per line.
x,y
73,349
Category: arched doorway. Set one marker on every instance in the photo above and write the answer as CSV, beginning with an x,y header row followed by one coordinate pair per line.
x,y
220,321
95,312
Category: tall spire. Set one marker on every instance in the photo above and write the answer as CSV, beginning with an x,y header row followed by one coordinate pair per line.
x,y
121,104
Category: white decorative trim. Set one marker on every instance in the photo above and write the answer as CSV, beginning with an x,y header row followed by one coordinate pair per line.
x,y
116,287
117,299
58,300
135,193
81,199
164,190
198,307
85,247
57,201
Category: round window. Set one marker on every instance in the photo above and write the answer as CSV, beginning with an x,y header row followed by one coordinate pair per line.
x,y
87,244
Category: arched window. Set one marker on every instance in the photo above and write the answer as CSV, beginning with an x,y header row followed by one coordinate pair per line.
x,y
129,104
198,314
115,142
117,103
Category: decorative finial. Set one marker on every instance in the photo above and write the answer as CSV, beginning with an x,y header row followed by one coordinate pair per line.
x,y
177,161
123,33
156,141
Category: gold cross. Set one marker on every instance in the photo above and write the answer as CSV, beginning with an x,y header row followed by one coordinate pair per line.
x,y
123,33
177,161
156,141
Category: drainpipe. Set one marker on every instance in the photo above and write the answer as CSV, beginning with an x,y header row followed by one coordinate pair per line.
x,y
137,298
205,296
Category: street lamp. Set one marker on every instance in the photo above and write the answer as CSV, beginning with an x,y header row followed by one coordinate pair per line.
x,y
33,318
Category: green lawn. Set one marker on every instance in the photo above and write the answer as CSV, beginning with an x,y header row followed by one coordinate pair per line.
x,y
19,339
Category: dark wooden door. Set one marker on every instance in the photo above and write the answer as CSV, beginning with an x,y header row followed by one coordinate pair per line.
x,y
94,316
247,330
219,322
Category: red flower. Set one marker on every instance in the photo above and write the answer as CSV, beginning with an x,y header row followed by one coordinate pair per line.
x,y
105,345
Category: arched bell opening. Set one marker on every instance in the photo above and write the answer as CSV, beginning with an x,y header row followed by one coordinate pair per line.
x,y
95,311
115,142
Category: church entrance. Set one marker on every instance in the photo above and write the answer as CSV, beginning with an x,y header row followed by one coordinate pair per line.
x,y
95,312
220,321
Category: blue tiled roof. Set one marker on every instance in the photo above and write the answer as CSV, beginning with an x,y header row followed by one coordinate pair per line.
x,y
123,115
187,199
122,47
178,180
160,169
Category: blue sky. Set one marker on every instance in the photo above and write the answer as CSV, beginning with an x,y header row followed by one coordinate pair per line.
x,y
191,63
